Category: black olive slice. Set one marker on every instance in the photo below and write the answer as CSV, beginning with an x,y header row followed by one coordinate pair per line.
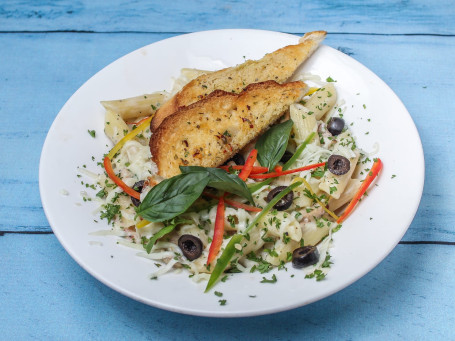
x,y
238,159
191,246
138,186
305,256
286,156
285,202
338,164
335,126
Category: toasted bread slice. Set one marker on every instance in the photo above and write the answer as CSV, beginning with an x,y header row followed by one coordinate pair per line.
x,y
210,131
278,66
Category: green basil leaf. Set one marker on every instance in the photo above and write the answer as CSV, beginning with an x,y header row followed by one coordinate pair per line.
x,y
222,180
172,197
272,144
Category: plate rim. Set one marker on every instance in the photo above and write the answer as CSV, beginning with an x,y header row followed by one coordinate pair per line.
x,y
226,314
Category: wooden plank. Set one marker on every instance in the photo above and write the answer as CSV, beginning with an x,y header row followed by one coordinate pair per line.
x,y
392,17
58,63
46,295
39,73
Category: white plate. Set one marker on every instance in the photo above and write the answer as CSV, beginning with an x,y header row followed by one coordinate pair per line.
x,y
358,247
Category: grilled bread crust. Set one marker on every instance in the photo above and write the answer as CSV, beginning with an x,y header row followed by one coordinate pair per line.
x,y
278,66
212,130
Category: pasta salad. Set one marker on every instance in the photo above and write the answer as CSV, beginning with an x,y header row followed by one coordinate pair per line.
x,y
276,202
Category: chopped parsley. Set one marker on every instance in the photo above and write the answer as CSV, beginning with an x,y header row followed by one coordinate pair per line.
x,y
319,274
101,194
272,280
92,133
110,213
327,261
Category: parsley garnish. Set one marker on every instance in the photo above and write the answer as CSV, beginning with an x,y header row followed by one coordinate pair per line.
x,y
273,280
101,194
110,213
219,294
318,274
327,261
92,133
222,302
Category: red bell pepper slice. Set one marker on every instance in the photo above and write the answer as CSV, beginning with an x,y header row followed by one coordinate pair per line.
x,y
110,172
218,232
375,169
246,170
277,174
254,170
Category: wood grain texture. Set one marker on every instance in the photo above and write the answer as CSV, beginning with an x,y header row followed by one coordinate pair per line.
x,y
46,295
45,69
353,16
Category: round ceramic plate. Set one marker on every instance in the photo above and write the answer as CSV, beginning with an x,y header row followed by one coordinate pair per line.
x,y
366,238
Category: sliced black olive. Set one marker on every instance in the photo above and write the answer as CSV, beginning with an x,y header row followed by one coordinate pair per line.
x,y
338,164
191,246
286,156
335,126
305,256
138,186
285,202
238,159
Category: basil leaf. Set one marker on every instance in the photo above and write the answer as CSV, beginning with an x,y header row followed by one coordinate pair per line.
x,y
222,180
172,197
272,144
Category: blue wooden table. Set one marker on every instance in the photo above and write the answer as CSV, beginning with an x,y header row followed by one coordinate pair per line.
x,y
48,49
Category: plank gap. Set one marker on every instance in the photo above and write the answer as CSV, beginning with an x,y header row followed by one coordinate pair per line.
x,y
403,242
423,242
178,33
2,233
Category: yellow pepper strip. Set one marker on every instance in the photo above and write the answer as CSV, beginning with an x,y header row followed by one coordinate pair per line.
x,y
142,223
308,187
311,91
129,136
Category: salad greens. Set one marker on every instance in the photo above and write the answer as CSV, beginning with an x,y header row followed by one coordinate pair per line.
x,y
272,144
173,196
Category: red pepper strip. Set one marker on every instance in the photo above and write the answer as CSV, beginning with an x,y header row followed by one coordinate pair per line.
x,y
377,166
217,232
246,170
138,122
118,181
235,204
278,169
255,170
276,174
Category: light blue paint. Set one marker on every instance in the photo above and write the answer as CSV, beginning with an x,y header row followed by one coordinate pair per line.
x,y
44,294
